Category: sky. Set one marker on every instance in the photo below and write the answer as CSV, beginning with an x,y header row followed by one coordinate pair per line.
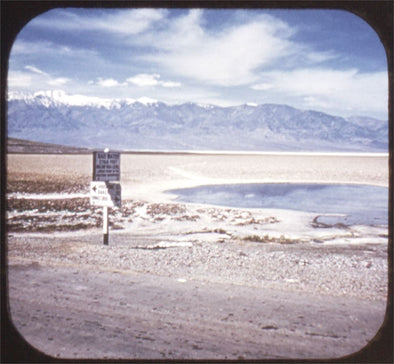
x,y
326,60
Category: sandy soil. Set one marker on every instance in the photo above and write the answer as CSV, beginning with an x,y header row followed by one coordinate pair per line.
x,y
188,280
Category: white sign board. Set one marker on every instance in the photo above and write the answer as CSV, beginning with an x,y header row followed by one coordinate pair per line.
x,y
105,194
106,166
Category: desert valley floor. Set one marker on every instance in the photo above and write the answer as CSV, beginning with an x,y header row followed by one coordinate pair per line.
x,y
187,280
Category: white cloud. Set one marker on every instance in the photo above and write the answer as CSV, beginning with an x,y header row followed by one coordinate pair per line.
x,y
146,80
129,22
140,80
227,57
311,81
318,57
123,22
109,82
247,56
170,84
60,81
43,49
340,90
23,47
262,86
34,79
315,102
19,80
35,70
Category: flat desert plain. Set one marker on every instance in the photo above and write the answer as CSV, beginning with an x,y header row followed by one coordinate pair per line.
x,y
187,280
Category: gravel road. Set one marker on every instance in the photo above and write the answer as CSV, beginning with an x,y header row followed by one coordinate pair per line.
x,y
72,297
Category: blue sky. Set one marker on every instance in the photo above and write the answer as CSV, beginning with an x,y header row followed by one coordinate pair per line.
x,y
325,60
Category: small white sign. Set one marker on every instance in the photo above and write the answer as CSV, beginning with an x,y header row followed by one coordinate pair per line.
x,y
105,194
106,166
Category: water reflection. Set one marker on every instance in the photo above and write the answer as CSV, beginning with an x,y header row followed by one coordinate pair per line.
x,y
362,204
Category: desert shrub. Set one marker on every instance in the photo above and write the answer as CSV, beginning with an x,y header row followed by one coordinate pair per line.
x,y
164,208
268,239
26,183
186,218
67,204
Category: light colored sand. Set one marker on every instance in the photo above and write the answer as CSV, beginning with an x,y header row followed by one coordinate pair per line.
x,y
146,176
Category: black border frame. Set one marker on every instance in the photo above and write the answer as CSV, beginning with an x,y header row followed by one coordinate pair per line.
x,y
17,13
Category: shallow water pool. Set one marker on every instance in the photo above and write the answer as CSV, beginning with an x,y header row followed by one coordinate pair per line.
x,y
362,204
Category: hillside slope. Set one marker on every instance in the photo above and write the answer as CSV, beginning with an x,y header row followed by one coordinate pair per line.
x,y
152,125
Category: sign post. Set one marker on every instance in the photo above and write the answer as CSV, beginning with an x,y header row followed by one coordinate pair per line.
x,y
106,166
105,225
105,189
105,194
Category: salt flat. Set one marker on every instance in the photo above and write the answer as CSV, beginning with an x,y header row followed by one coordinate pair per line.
x,y
159,172
185,280
147,177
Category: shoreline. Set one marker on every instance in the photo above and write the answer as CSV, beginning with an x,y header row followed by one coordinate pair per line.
x,y
158,191
181,280
165,192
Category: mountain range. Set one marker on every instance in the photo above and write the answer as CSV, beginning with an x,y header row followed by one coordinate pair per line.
x,y
147,124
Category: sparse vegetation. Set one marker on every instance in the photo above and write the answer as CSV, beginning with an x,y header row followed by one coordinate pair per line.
x,y
165,209
34,183
186,218
70,214
209,231
269,239
266,220
68,204
47,223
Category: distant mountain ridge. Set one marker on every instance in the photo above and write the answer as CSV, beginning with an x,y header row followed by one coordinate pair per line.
x,y
147,124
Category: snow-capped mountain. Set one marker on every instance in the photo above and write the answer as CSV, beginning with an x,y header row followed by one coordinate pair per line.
x,y
59,97
147,124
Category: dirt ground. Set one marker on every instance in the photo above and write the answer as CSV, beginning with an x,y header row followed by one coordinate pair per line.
x,y
190,281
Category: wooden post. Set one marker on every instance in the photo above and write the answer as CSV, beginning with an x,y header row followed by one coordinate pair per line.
x,y
103,192
105,225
